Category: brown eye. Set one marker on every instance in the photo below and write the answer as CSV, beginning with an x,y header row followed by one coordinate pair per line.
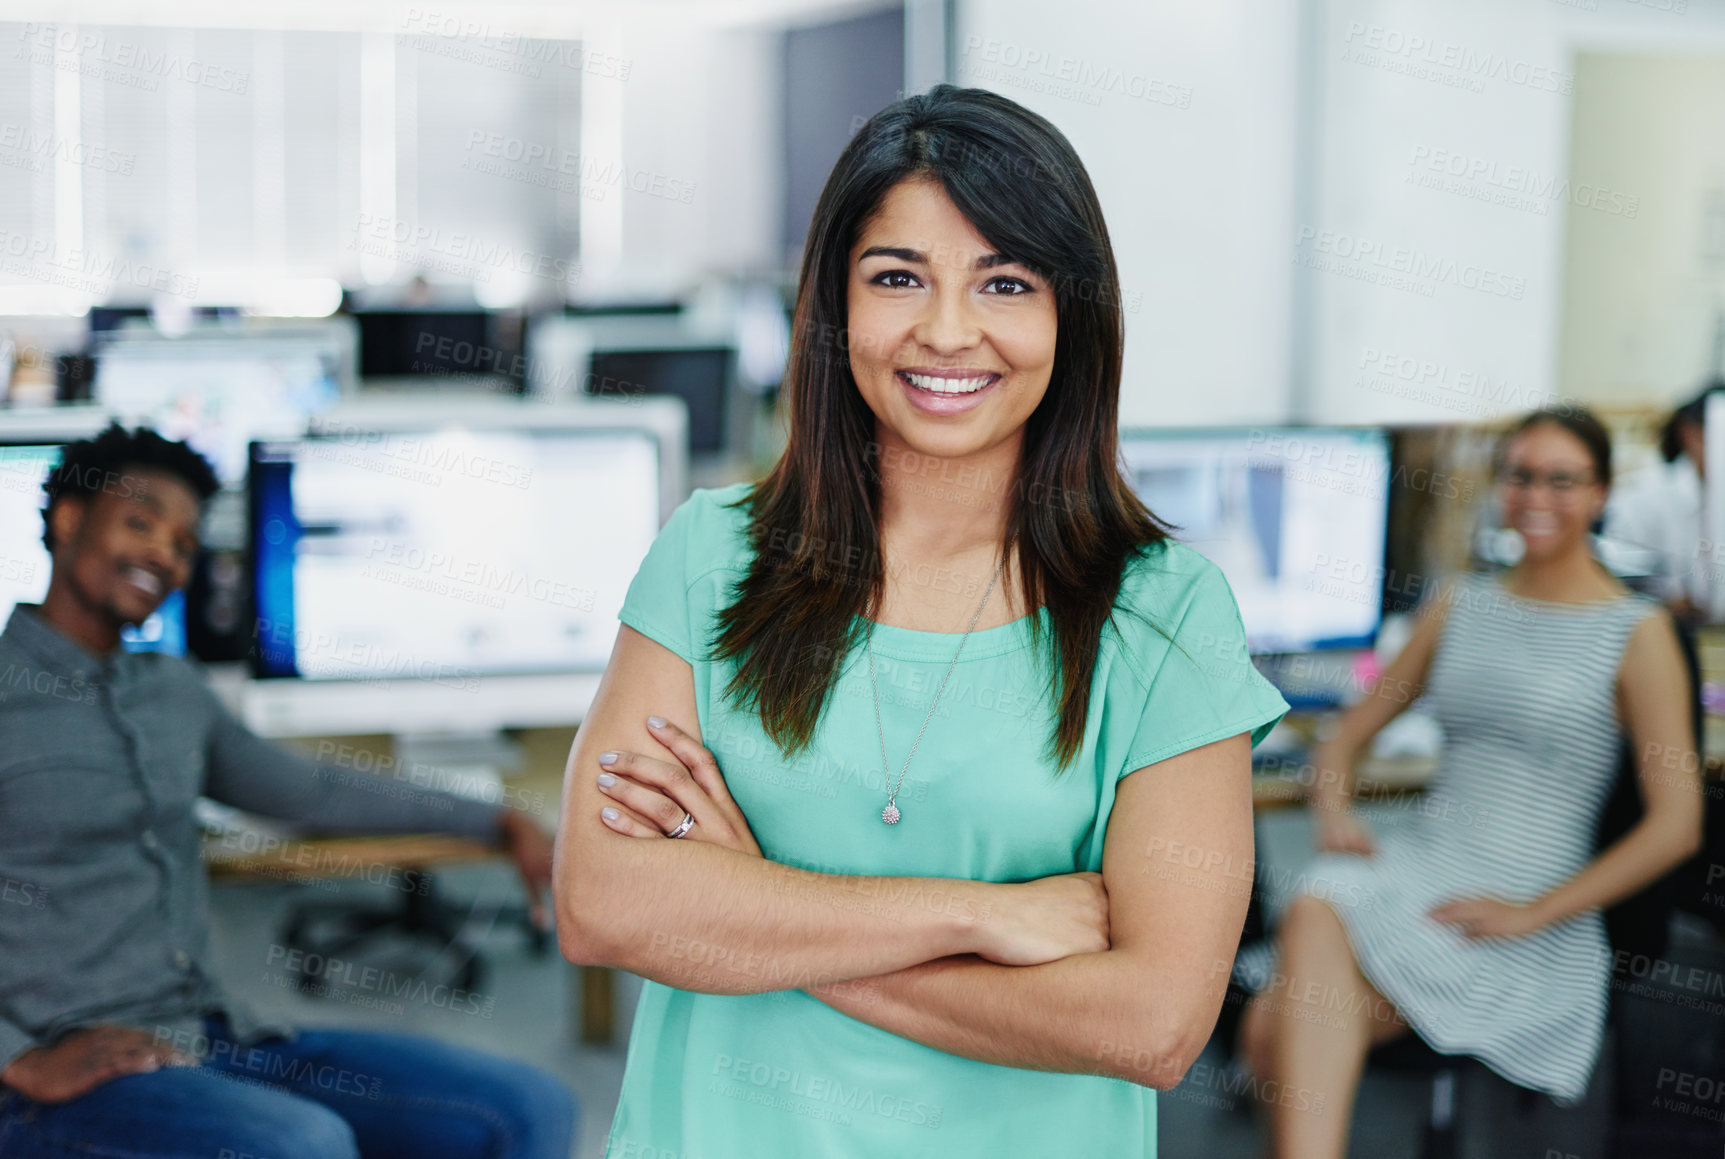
x,y
885,279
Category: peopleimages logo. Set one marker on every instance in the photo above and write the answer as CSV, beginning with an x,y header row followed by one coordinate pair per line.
x,y
1390,48
1515,186
1330,250
807,1094
87,50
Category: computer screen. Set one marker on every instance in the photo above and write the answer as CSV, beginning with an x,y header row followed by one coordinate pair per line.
x,y
105,318
445,554
700,376
450,344
1295,518
219,393
24,561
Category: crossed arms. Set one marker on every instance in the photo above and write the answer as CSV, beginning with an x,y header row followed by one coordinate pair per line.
x,y
1013,974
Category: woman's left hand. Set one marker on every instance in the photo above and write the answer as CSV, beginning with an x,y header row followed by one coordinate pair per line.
x,y
649,797
1484,917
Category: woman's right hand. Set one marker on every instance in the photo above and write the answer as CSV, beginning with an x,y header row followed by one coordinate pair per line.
x,y
1041,921
1339,832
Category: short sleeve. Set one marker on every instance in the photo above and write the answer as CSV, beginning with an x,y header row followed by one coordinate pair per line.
x,y
1203,685
689,572
657,602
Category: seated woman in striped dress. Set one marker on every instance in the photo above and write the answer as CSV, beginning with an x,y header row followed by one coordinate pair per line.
x,y
1478,922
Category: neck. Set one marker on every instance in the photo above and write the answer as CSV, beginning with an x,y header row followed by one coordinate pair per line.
x,y
935,508
1568,575
77,620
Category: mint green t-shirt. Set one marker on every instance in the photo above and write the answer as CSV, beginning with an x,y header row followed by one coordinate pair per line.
x,y
780,1074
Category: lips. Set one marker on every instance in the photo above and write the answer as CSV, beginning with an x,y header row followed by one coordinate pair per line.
x,y
940,384
946,392
144,581
1536,525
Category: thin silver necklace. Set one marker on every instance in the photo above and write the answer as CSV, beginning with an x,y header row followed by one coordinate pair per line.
x,y
890,814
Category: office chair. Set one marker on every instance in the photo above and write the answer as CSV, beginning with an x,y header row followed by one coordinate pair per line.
x,y
1651,1041
336,930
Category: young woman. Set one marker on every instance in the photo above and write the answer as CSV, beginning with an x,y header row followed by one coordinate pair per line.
x,y
1478,922
954,743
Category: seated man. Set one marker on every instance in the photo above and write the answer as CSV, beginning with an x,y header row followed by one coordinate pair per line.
x,y
104,973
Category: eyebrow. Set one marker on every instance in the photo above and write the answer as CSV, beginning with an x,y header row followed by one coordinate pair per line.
x,y
985,262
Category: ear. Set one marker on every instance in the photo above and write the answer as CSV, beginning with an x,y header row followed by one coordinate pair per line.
x,y
66,519
1599,507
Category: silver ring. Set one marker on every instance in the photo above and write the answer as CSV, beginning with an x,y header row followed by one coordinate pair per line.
x,y
687,824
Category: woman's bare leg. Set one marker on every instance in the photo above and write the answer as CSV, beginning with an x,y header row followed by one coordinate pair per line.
x,y
1311,1031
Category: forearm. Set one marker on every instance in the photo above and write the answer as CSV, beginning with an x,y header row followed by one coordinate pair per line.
x,y
253,774
348,802
1084,1014
1639,857
703,918
1332,787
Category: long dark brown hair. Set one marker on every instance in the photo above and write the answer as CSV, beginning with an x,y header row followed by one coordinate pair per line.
x,y
815,518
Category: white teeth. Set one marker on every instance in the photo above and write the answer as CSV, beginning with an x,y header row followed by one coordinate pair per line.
x,y
144,579
948,385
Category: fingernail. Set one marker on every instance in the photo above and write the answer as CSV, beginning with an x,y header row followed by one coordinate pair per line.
x,y
608,814
606,780
607,758
656,721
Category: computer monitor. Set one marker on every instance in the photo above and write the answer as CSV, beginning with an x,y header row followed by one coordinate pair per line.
x,y
105,318
1295,518
115,317
700,376
636,357
461,346
218,388
24,559
494,541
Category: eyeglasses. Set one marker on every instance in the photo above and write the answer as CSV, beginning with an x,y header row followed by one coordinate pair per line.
x,y
1561,482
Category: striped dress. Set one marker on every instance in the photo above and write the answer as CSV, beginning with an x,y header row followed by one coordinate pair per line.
x,y
1525,692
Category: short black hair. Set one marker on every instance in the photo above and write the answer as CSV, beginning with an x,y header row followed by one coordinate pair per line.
x,y
1693,412
91,466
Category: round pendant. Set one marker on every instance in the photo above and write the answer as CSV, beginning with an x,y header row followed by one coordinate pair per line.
x,y
890,814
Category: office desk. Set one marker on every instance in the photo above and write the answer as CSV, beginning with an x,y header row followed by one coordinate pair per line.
x,y
1375,778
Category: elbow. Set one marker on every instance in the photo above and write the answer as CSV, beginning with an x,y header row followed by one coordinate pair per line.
x,y
580,943
1683,833
1692,841
1159,1060
586,933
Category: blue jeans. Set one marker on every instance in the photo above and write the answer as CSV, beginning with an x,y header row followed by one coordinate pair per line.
x,y
328,1094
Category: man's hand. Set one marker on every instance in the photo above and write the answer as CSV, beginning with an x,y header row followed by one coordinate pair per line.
x,y
530,848
86,1059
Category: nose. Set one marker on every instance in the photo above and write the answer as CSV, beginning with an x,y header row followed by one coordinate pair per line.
x,y
948,323
158,552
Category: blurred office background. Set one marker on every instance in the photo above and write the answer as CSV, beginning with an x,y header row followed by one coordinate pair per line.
x,y
427,282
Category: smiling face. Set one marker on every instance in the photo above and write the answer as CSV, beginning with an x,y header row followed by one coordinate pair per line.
x,y
951,345
1551,492
121,551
